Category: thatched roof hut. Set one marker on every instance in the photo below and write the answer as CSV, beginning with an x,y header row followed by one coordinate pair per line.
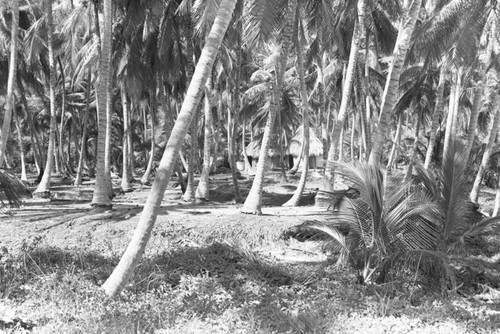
x,y
315,144
253,149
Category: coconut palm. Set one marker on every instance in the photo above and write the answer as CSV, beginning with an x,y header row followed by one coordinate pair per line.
x,y
44,185
9,106
115,283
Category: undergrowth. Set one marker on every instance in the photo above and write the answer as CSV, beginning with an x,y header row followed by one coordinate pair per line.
x,y
218,288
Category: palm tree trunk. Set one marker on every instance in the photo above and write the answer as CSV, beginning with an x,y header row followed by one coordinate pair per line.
x,y
395,144
413,158
244,145
294,201
61,124
24,177
115,283
253,202
126,150
474,194
44,186
149,168
203,189
435,117
9,105
102,196
452,109
86,112
389,96
346,89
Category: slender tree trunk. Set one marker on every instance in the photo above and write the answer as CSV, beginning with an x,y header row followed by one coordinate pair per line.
x,y
149,169
414,155
391,88
125,184
395,145
203,189
244,146
44,185
115,283
253,202
294,201
86,112
232,124
102,190
346,89
452,108
63,114
24,177
474,194
435,117
9,105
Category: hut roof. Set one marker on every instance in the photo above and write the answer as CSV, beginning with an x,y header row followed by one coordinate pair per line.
x,y
315,144
253,149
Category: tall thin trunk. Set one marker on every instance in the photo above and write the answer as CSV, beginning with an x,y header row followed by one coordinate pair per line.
x,y
244,145
125,184
294,201
452,109
346,89
414,153
102,187
395,144
62,160
474,194
438,107
149,168
24,177
253,202
203,189
391,88
86,112
44,185
9,105
115,283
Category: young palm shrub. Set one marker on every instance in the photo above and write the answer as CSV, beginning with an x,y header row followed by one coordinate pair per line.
x,y
459,219
391,227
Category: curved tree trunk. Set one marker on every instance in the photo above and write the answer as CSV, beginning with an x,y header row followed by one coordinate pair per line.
x,y
115,283
253,202
346,90
389,96
9,105
435,117
294,201
101,196
474,194
44,185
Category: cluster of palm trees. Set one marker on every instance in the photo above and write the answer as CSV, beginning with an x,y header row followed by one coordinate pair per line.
x,y
367,75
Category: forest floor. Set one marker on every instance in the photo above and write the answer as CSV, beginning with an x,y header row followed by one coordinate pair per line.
x,y
210,269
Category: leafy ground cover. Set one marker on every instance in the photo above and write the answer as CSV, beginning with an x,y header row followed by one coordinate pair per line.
x,y
210,269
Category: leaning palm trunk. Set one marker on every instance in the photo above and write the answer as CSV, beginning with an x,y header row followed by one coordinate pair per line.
x,y
435,116
44,185
9,105
253,202
474,194
101,196
294,201
203,189
115,283
389,96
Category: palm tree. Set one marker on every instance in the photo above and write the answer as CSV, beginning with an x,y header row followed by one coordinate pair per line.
x,y
203,189
253,202
115,283
44,185
9,106
102,195
391,88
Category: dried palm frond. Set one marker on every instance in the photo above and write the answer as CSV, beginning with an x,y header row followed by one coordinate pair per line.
x,y
11,189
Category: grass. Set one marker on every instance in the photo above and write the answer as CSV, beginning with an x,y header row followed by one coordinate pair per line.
x,y
220,288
